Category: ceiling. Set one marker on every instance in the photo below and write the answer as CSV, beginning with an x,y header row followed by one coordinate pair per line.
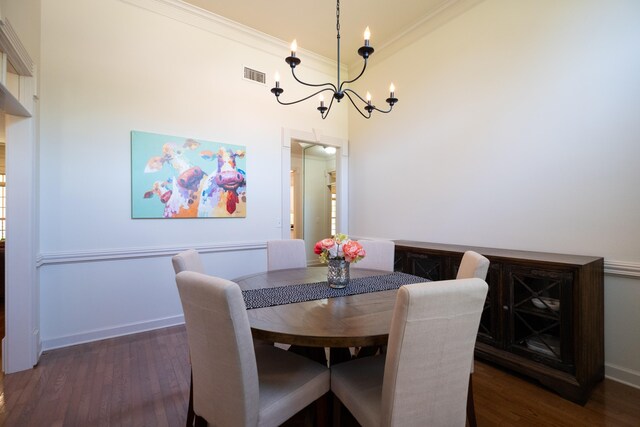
x,y
313,23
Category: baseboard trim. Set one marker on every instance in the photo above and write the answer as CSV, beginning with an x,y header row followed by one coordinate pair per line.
x,y
106,333
622,375
149,252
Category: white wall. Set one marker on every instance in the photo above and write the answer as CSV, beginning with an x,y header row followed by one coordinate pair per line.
x,y
109,67
518,126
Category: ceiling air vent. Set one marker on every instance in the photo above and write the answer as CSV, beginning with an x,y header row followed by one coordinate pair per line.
x,y
255,75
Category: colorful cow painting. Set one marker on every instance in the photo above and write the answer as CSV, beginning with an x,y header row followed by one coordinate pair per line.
x,y
176,177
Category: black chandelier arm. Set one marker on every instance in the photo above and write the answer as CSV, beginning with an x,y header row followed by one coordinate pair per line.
x,y
346,92
293,73
359,75
383,111
368,106
305,98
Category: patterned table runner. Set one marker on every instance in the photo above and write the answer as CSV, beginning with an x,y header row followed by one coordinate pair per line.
x,y
269,297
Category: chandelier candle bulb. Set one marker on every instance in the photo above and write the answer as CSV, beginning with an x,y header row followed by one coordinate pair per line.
x,y
294,48
276,77
392,90
368,98
367,36
322,108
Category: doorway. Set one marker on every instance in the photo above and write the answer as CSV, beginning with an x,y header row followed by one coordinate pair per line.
x,y
313,193
339,180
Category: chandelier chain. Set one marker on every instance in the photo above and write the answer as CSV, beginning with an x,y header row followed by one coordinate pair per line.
x,y
338,18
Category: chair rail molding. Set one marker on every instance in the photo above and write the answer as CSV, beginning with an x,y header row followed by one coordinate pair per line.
x,y
97,255
622,268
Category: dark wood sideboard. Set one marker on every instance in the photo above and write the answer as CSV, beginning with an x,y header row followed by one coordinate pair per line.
x,y
544,314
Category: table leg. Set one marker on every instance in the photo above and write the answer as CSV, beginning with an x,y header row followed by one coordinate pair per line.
x,y
339,355
313,353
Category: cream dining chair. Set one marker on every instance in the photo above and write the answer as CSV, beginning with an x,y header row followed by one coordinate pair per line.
x,y
188,260
472,265
235,384
422,380
380,255
283,254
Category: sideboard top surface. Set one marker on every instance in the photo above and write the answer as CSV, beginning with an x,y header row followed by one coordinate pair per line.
x,y
500,253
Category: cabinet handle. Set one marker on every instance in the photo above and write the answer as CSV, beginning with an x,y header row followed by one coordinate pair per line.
x,y
505,307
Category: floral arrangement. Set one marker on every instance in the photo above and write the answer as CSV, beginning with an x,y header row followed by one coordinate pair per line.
x,y
339,247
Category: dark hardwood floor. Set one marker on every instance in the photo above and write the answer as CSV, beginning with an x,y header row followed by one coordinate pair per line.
x,y
143,380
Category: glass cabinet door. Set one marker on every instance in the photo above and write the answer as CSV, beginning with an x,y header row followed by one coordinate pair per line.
x,y
539,322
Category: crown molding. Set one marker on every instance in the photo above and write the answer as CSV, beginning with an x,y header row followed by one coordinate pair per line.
x,y
234,31
16,52
448,10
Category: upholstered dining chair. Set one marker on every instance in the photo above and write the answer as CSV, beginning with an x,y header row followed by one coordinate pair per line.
x,y
282,254
472,265
422,380
380,255
188,260
235,384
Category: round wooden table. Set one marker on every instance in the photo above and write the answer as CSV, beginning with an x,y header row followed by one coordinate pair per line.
x,y
352,321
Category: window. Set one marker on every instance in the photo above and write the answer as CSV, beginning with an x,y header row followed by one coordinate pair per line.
x,y
332,189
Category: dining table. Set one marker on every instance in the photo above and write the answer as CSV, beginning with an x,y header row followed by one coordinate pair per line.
x,y
337,322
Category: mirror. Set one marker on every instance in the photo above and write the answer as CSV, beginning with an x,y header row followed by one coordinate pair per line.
x,y
313,194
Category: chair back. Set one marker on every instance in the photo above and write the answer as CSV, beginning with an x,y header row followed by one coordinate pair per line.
x,y
380,255
431,340
473,265
282,254
225,375
188,260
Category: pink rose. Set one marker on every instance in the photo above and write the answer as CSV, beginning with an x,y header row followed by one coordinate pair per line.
x,y
327,243
352,250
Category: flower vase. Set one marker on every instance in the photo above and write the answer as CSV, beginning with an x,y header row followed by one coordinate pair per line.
x,y
338,273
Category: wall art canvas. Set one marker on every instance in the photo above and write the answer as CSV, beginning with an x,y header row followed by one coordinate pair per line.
x,y
178,177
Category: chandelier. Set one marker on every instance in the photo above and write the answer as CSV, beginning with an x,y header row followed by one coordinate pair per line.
x,y
338,91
